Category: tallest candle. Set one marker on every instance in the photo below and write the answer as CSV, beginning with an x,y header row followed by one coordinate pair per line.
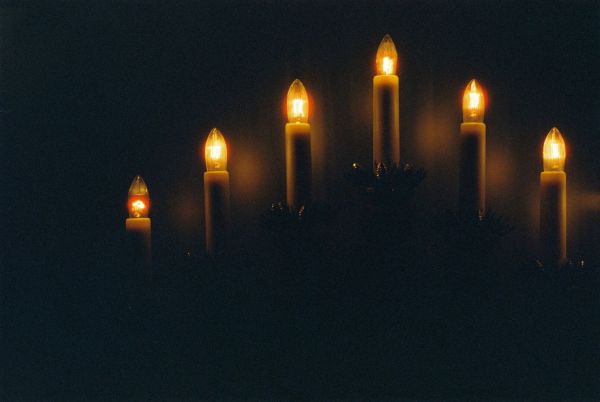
x,y
386,113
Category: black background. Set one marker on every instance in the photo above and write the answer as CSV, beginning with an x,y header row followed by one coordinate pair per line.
x,y
93,93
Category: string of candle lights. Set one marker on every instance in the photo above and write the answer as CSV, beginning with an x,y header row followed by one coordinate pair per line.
x,y
386,167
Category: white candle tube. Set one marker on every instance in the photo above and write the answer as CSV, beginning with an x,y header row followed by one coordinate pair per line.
x,y
471,190
217,216
553,201
386,106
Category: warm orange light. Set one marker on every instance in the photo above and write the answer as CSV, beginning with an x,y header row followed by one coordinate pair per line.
x,y
138,203
554,151
473,103
387,57
215,151
297,103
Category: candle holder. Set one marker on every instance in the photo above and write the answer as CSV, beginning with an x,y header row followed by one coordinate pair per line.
x,y
570,265
465,243
488,228
282,220
298,234
388,182
385,216
572,285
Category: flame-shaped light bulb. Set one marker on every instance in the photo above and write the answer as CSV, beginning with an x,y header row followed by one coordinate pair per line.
x,y
215,151
387,57
138,202
473,103
297,103
554,151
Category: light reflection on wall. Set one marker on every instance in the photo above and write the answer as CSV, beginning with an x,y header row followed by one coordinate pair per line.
x,y
583,223
501,169
185,216
319,133
531,231
436,135
248,177
186,210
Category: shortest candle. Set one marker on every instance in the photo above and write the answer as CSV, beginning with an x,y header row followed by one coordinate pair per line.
x,y
138,225
216,193
553,201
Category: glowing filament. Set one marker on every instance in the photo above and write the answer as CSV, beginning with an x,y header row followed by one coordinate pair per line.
x,y
297,103
473,103
139,198
388,65
387,57
138,205
554,152
215,151
298,107
138,208
474,100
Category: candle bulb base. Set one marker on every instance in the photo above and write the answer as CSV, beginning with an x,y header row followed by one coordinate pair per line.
x,y
216,211
385,215
139,244
298,165
553,218
296,230
469,243
388,182
386,119
471,191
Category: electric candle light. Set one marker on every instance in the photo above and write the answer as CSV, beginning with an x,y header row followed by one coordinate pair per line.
x,y
553,200
472,154
297,148
386,113
216,193
138,225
